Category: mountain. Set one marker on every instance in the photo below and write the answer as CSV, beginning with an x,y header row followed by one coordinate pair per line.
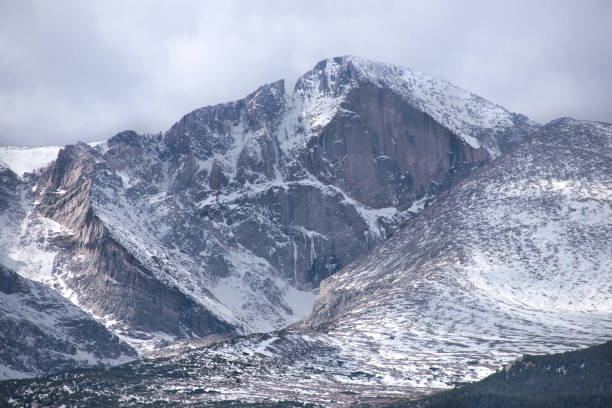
x,y
441,235
43,332
227,223
513,259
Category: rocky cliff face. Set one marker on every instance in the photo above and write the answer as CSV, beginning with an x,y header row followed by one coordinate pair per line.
x,y
379,148
104,276
447,236
227,222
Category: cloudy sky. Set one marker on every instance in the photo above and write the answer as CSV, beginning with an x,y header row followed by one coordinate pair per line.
x,y
84,70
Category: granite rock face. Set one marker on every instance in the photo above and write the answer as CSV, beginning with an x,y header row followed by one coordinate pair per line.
x,y
384,152
229,221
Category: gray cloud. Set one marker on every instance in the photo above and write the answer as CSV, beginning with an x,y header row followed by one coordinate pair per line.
x,y
74,70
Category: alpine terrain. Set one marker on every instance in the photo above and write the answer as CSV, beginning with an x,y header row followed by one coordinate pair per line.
x,y
375,233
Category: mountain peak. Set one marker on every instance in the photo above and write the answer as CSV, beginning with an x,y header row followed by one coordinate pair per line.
x,y
477,121
265,103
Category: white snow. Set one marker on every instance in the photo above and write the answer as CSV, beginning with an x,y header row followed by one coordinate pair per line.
x,y
264,347
300,301
23,160
53,317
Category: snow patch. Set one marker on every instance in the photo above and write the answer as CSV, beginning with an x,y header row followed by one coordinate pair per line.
x,y
23,160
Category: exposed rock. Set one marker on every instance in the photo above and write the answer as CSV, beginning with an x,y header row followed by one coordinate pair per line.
x,y
107,279
9,186
436,264
385,153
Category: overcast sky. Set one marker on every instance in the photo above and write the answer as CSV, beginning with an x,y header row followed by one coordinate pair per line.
x,y
85,70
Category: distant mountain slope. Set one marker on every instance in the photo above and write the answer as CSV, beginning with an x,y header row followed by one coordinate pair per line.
x,y
23,160
573,379
228,222
260,368
44,333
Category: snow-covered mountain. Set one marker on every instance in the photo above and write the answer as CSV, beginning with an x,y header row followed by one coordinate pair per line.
x,y
446,234
514,259
227,223
475,120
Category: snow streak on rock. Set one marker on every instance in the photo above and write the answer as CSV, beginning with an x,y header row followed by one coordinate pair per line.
x,y
513,260
477,121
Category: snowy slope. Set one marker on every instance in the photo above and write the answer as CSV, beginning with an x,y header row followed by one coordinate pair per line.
x,y
514,260
23,160
477,121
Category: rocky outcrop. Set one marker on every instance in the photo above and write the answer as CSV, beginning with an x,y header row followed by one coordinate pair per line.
x,y
383,152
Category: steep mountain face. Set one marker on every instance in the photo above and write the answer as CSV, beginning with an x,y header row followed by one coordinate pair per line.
x,y
44,333
104,276
227,222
